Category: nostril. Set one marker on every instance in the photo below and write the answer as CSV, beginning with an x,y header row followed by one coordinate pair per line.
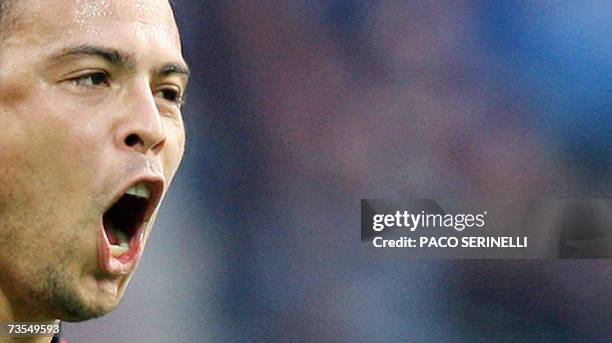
x,y
133,140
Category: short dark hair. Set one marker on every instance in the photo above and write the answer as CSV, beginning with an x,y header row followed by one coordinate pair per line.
x,y
7,17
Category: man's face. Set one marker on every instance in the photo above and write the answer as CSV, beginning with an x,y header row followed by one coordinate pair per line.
x,y
90,110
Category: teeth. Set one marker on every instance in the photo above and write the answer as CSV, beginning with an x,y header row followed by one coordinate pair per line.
x,y
123,247
117,251
139,190
123,239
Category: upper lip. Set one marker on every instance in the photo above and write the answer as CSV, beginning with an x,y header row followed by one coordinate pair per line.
x,y
154,183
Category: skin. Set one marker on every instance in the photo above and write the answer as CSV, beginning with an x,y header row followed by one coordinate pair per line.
x,y
63,148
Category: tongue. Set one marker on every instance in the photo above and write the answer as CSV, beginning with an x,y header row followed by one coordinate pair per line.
x,y
123,218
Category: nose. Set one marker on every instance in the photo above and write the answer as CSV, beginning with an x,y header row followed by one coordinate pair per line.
x,y
140,127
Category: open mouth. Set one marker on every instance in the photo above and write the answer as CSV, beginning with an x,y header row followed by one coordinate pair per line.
x,y
123,221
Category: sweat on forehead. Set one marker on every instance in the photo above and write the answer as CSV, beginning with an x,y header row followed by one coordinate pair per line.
x,y
81,12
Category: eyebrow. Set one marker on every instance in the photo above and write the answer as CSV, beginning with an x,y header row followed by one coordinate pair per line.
x,y
112,56
174,68
120,59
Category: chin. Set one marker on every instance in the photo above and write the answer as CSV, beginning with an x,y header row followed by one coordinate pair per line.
x,y
88,303
72,312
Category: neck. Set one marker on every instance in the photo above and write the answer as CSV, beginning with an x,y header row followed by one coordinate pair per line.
x,y
25,339
11,312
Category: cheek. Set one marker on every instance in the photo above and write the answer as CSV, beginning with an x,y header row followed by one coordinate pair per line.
x,y
80,129
174,150
64,146
73,145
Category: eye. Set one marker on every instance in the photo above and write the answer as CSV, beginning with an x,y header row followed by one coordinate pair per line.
x,y
170,94
92,80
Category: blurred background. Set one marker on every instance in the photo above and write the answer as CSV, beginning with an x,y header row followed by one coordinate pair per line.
x,y
298,109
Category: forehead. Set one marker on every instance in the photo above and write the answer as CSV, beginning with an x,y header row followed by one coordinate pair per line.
x,y
44,21
79,11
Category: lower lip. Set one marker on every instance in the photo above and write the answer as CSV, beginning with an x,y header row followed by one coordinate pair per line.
x,y
123,264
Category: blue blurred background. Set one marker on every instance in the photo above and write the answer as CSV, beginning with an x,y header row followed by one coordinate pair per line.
x,y
298,109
